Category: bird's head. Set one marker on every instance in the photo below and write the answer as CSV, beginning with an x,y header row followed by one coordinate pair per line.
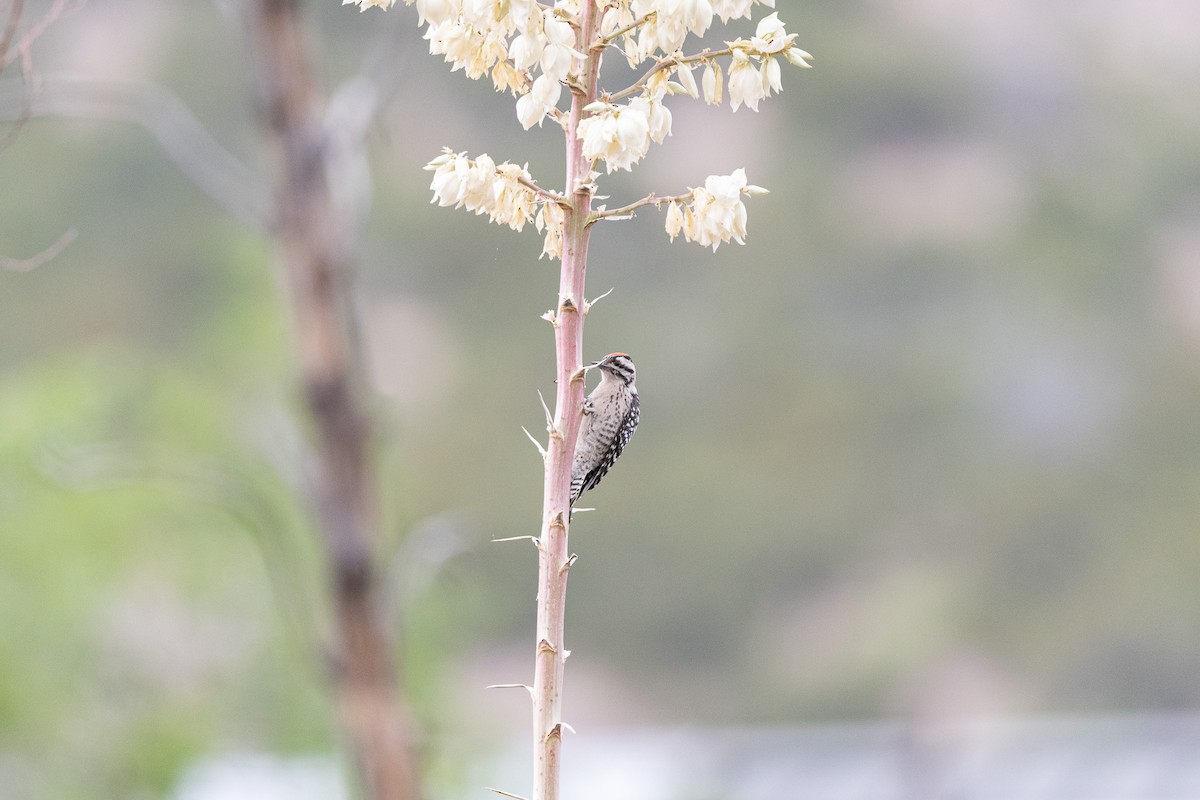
x,y
618,366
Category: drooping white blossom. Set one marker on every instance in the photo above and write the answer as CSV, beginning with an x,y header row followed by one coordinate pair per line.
x,y
533,107
433,12
713,84
660,120
772,78
558,59
526,49
506,77
670,24
620,136
500,191
737,9
674,220
514,202
617,135
745,83
550,219
715,213
687,81
797,57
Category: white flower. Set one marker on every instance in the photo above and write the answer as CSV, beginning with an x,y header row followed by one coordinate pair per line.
x,y
434,12
365,4
666,30
514,201
473,35
558,31
732,9
632,139
546,90
449,178
697,15
745,84
618,17
658,117
620,135
533,107
526,49
772,80
687,81
529,111
770,37
556,62
716,213
550,219
559,55
573,8
460,43
713,85
797,57
674,220
522,11
694,16
506,77
478,193
484,187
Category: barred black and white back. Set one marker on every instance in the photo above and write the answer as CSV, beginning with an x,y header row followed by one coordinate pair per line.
x,y
611,414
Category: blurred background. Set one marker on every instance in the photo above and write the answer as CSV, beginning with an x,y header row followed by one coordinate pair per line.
x,y
918,468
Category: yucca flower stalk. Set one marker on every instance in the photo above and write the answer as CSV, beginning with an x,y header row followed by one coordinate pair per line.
x,y
541,51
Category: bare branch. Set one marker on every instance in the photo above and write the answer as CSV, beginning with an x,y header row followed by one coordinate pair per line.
x,y
545,194
670,62
57,10
619,32
10,29
214,169
24,52
35,261
624,212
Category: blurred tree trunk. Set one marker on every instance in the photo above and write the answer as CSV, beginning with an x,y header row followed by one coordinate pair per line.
x,y
311,234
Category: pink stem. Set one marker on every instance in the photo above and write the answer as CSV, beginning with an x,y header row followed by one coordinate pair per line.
x,y
553,555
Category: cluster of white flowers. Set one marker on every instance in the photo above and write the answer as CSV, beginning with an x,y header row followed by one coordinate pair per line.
x,y
715,213
485,187
621,135
502,191
531,48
